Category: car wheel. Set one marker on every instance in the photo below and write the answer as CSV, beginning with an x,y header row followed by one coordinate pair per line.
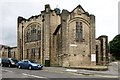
x,y
30,67
19,66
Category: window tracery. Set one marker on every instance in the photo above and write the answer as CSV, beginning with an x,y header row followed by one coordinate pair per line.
x,y
32,33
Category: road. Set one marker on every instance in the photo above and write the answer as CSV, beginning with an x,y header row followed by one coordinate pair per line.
x,y
24,73
51,72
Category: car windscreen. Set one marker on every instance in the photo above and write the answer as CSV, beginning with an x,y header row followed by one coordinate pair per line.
x,y
32,61
14,60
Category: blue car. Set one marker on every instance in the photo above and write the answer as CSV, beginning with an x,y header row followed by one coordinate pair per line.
x,y
29,64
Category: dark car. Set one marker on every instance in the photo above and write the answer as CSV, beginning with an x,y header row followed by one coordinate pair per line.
x,y
8,62
29,64
0,61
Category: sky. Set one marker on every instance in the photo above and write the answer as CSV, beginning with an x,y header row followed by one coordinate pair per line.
x,y
105,11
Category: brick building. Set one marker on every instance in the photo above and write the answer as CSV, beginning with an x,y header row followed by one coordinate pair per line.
x,y
56,38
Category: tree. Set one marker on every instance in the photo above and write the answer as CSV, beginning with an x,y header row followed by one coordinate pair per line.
x,y
115,47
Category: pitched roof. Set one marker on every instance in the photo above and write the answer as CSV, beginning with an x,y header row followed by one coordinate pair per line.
x,y
79,6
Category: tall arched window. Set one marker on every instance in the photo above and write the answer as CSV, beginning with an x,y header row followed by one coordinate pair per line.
x,y
33,53
39,33
27,55
79,31
27,35
39,53
33,33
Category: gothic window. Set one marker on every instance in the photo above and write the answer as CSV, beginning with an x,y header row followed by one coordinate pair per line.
x,y
33,29
33,53
39,33
33,33
39,53
79,31
27,36
27,55
14,53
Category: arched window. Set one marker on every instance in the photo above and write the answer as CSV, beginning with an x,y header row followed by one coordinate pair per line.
x,y
27,35
79,31
33,33
39,53
27,55
39,33
33,53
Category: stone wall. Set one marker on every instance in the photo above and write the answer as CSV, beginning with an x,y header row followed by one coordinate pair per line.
x,y
8,52
103,50
59,45
14,52
5,51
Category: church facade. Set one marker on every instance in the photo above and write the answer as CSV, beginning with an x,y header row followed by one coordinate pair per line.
x,y
56,38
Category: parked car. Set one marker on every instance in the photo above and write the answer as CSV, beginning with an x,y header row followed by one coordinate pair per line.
x,y
0,61
29,64
9,62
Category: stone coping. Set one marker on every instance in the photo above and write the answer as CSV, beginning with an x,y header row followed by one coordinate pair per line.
x,y
97,68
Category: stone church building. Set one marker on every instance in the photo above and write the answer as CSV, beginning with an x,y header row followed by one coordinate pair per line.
x,y
61,38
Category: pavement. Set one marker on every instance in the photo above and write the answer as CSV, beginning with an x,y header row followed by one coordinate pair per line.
x,y
79,71
113,69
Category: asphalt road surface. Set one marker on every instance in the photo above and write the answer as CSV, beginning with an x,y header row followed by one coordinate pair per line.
x,y
13,73
52,74
24,73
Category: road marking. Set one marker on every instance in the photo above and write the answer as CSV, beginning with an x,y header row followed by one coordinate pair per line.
x,y
71,70
24,74
54,71
33,75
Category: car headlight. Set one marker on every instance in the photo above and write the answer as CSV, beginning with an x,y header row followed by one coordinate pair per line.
x,y
38,65
33,64
12,63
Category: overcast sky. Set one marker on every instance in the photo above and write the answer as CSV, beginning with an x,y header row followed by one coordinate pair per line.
x,y
106,12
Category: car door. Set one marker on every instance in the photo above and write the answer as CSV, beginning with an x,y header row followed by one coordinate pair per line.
x,y
21,64
7,62
25,64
